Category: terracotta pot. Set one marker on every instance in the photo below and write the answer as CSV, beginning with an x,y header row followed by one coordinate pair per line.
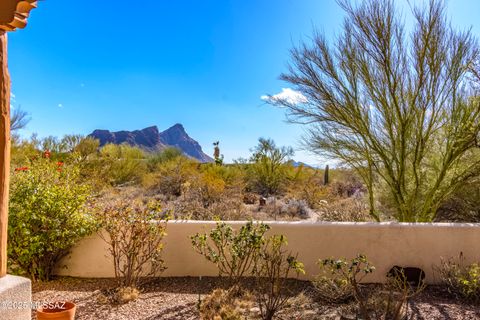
x,y
57,310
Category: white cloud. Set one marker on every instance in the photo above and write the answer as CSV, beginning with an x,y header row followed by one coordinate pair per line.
x,y
287,95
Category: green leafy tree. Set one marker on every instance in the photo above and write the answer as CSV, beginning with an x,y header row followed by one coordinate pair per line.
x,y
269,166
48,214
396,107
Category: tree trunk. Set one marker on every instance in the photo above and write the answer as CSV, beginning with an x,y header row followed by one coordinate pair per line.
x,y
4,151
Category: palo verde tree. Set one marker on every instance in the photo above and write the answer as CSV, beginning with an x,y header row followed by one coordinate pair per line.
x,y
400,108
268,168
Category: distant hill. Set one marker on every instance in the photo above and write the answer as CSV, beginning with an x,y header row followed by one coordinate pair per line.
x,y
151,139
299,163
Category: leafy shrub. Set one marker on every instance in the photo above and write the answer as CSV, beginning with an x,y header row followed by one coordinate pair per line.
x,y
135,237
122,164
48,214
332,286
351,273
234,252
273,267
462,281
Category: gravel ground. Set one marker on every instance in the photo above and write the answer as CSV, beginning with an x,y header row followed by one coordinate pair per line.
x,y
177,298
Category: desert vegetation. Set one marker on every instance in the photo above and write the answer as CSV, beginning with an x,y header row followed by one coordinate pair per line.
x,y
398,111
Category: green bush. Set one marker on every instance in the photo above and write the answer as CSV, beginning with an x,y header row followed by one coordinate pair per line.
x,y
234,252
48,214
268,173
167,154
170,176
462,281
122,164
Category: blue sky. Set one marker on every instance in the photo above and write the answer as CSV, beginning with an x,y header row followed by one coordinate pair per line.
x,y
125,65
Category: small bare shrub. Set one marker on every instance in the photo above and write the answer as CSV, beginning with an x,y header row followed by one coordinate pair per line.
x,y
224,305
135,238
234,252
286,208
349,209
125,295
388,303
274,266
461,280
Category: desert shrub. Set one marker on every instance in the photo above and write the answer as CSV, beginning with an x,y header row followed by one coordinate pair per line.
x,y
234,252
233,175
170,176
212,192
87,147
48,214
223,305
349,185
135,237
22,151
122,164
157,158
308,186
286,208
207,187
387,302
332,286
273,267
351,273
348,209
125,294
228,207
461,280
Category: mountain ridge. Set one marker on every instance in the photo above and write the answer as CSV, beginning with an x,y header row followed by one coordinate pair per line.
x,y
151,139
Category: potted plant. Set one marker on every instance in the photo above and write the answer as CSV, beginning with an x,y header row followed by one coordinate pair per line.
x,y
62,310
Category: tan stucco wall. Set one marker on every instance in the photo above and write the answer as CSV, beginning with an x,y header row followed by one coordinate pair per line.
x,y
385,244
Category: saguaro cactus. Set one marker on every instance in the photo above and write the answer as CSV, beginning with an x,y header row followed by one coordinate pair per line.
x,y
326,177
